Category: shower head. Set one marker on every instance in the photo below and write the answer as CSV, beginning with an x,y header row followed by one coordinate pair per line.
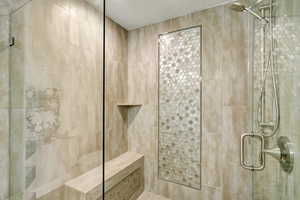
x,y
239,7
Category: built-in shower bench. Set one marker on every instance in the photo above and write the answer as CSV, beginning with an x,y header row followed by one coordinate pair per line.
x,y
124,177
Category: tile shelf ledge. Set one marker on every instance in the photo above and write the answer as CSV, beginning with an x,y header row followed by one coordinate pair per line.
x,y
129,104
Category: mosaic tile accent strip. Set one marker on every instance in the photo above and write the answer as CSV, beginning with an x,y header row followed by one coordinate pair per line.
x,y
42,114
180,107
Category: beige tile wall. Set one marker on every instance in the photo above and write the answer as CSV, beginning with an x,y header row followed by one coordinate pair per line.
x,y
224,103
116,89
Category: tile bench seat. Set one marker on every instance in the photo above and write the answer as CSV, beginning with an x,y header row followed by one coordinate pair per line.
x,y
124,177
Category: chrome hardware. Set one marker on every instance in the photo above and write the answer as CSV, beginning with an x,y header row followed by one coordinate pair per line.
x,y
267,124
12,41
262,157
287,154
275,153
283,153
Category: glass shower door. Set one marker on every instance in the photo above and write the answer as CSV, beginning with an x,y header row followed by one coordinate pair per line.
x,y
274,182
55,99
4,103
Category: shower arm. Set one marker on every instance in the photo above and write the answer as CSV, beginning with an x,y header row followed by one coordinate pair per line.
x,y
255,4
256,15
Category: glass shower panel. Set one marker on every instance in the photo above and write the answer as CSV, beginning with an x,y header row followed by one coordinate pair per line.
x,y
4,103
56,99
273,183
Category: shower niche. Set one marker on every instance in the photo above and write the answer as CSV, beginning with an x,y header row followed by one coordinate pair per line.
x,y
180,107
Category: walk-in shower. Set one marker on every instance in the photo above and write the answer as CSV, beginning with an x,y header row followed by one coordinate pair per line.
x,y
148,100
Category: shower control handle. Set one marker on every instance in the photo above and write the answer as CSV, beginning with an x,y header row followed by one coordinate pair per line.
x,y
284,153
262,155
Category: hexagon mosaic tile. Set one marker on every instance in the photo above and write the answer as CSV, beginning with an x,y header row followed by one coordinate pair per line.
x,y
180,107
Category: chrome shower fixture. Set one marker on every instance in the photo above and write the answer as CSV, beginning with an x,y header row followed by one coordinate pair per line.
x,y
267,127
239,7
